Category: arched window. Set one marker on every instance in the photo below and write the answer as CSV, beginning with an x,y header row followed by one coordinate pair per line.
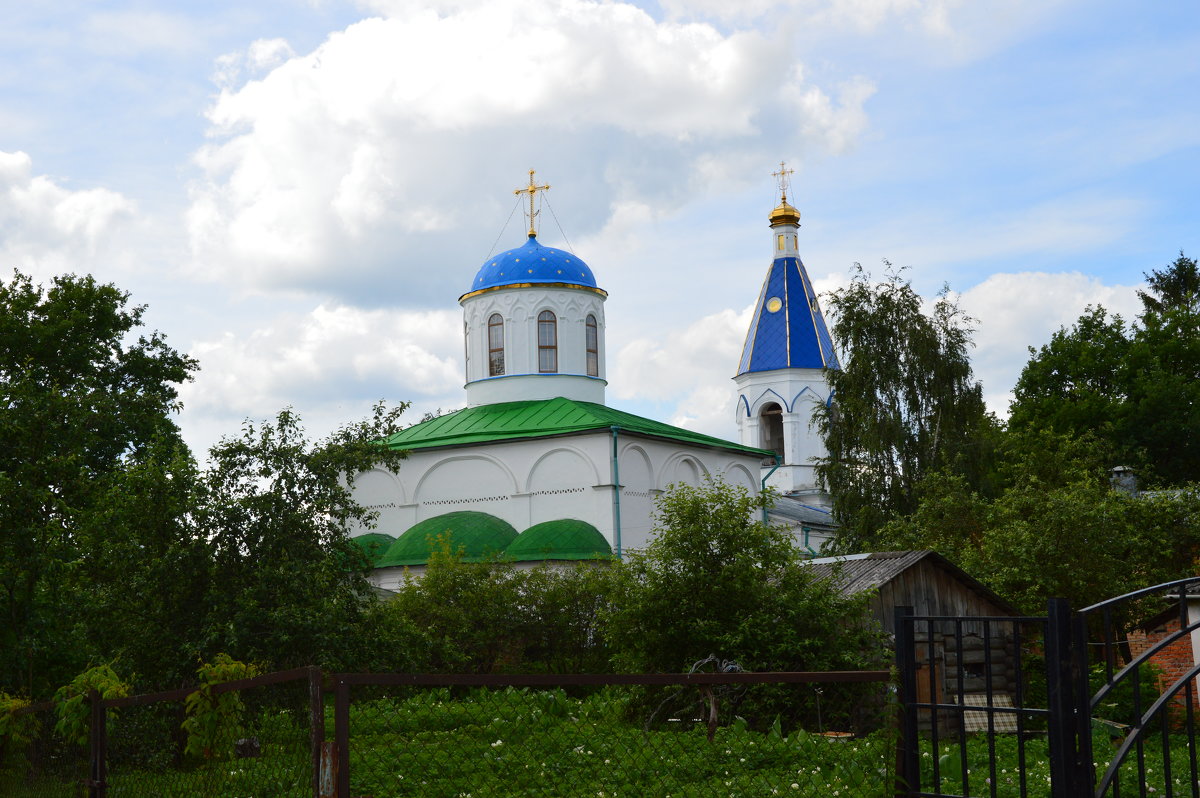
x,y
547,343
770,428
593,347
495,345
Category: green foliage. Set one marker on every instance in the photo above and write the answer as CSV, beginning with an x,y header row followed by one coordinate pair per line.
x,y
214,719
143,569
1119,705
1057,528
905,404
72,701
275,510
82,394
515,742
714,580
1137,387
17,728
482,617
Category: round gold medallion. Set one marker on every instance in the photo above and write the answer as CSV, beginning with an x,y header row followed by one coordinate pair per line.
x,y
774,304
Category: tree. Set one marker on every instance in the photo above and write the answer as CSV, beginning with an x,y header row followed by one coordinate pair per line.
x,y
143,568
79,397
1057,528
1136,387
714,580
286,583
904,405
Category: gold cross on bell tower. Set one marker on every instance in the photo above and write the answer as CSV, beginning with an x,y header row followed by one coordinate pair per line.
x,y
532,189
784,177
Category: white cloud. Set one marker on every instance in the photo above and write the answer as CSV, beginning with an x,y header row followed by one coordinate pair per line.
x,y
47,229
334,354
689,368
1018,310
336,165
859,15
260,57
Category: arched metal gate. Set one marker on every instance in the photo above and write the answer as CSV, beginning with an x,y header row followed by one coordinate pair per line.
x,y
1095,702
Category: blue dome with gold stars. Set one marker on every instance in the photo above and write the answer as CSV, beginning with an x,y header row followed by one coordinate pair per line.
x,y
532,263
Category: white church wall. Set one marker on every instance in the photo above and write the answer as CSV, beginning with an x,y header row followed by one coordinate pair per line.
x,y
526,482
637,494
562,484
382,492
476,481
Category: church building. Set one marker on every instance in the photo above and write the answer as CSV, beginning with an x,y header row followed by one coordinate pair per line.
x,y
537,467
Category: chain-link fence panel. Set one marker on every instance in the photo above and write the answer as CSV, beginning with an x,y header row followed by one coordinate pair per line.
x,y
733,739
35,762
254,741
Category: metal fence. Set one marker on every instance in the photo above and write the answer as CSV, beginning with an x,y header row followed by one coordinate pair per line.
x,y
301,733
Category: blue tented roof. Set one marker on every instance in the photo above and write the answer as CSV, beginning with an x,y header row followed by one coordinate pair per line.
x,y
788,330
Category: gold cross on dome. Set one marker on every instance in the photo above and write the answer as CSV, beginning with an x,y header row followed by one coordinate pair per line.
x,y
783,176
532,189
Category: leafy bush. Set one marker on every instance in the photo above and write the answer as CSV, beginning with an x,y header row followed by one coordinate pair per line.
x,y
74,711
716,581
214,719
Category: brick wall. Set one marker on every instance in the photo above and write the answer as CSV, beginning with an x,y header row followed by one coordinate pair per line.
x,y
1172,662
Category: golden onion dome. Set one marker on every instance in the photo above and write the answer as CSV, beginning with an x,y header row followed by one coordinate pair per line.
x,y
784,214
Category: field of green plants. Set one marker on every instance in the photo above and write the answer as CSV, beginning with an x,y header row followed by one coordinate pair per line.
x,y
516,743
445,744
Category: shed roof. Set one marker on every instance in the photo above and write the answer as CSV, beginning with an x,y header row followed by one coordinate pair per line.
x,y
856,573
544,418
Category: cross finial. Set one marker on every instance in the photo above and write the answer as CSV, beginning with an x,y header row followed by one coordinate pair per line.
x,y
784,177
532,189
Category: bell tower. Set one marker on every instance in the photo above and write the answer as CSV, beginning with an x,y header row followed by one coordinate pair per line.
x,y
781,374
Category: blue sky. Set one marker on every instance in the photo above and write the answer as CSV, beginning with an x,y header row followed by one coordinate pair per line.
x,y
301,190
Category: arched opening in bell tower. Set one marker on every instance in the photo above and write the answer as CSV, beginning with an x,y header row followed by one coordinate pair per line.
x,y
770,426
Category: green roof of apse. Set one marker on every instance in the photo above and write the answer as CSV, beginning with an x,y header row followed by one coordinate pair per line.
x,y
564,539
544,418
479,535
374,545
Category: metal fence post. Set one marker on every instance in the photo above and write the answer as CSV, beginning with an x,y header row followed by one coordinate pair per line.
x,y
907,758
1061,691
98,745
1085,769
316,725
341,734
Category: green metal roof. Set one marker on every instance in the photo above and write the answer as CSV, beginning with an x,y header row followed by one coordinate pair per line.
x,y
545,418
479,535
564,539
374,545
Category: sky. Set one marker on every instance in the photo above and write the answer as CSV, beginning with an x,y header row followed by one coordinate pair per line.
x,y
300,190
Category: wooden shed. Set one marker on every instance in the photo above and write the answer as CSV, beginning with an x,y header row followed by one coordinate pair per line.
x,y
957,660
